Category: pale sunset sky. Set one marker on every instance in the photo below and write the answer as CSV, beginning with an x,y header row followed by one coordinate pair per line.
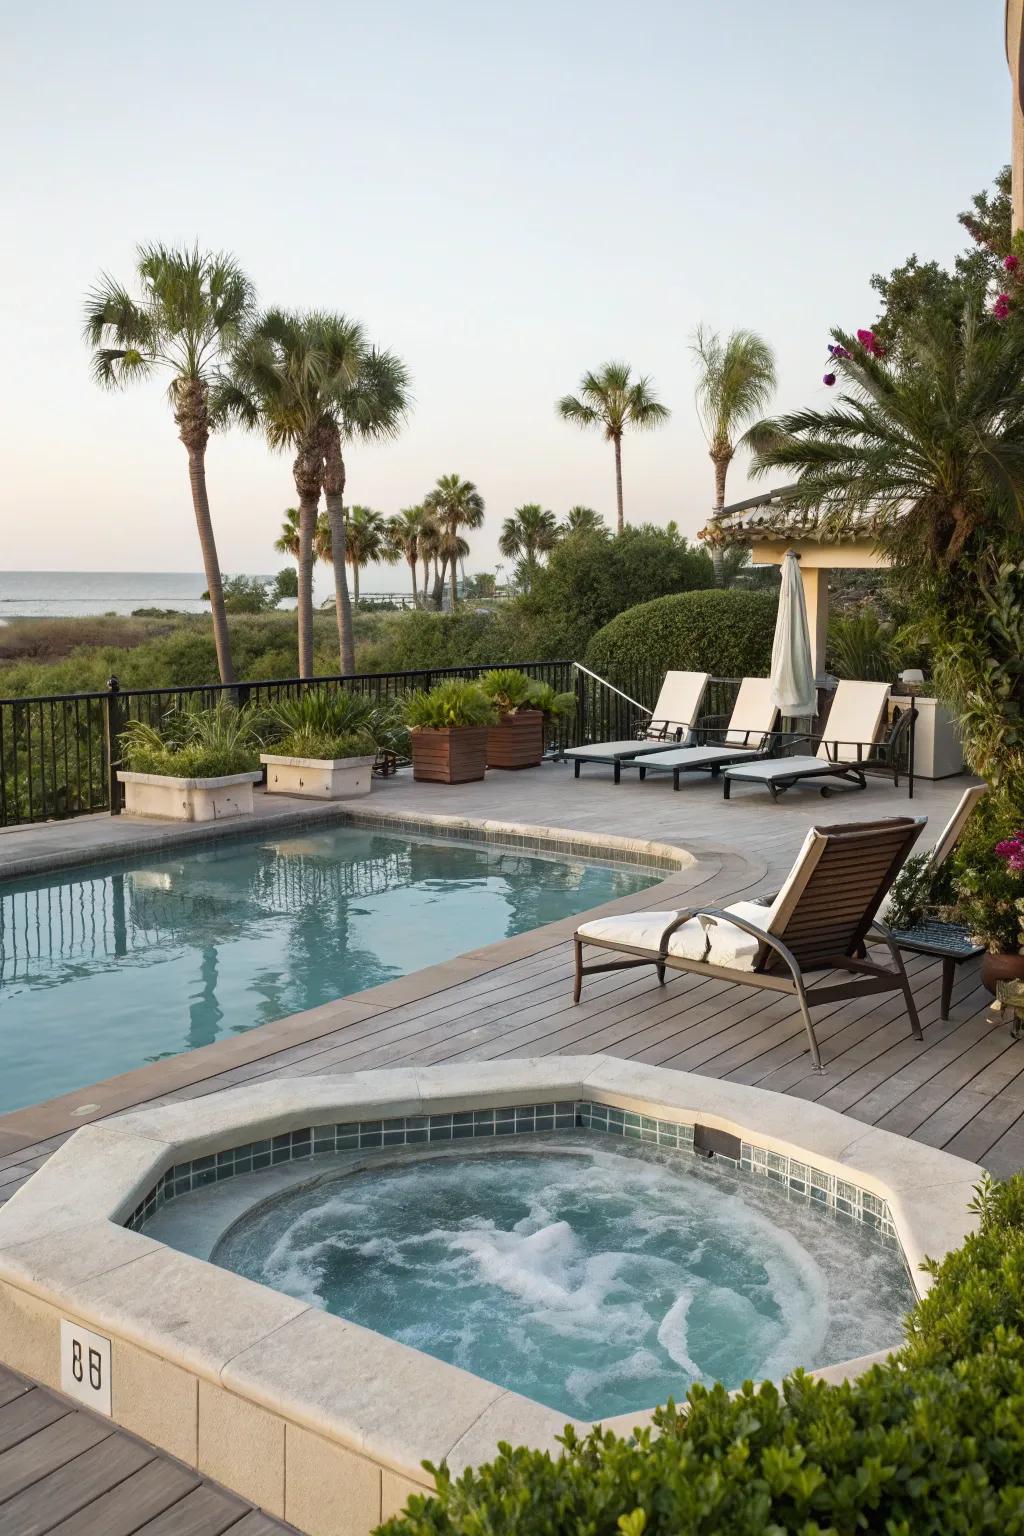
x,y
505,196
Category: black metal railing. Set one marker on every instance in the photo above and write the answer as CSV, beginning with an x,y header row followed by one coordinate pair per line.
x,y
59,753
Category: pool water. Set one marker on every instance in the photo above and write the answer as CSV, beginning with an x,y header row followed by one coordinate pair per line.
x,y
596,1280
109,967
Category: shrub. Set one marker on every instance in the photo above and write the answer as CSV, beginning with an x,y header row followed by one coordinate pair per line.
x,y
194,744
988,889
862,645
507,689
319,723
451,704
726,633
928,1444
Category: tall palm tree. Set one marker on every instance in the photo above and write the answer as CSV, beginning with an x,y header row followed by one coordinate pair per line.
x,y
735,382
287,542
404,532
191,309
581,520
529,533
367,542
369,401
281,380
613,401
456,504
429,546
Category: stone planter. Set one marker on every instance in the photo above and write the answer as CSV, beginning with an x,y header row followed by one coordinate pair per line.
x,y
996,968
339,778
172,799
517,741
457,755
938,753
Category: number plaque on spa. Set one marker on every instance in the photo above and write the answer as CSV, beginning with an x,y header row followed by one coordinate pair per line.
x,y
85,1366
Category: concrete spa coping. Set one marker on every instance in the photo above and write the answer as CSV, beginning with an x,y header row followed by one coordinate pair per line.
x,y
316,1419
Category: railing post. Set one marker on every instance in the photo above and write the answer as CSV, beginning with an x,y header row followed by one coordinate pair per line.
x,y
113,725
581,708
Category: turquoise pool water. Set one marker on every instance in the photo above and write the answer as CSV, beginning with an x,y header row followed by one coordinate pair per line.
x,y
106,968
597,1280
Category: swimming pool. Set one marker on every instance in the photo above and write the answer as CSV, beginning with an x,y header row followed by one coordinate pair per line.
x,y
109,967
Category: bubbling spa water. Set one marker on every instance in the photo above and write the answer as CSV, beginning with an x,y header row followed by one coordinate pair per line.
x,y
596,1280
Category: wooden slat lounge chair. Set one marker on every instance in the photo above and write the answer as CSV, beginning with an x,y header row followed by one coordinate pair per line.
x,y
843,753
671,724
816,924
747,737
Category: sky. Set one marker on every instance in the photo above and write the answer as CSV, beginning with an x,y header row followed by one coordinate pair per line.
x,y
504,195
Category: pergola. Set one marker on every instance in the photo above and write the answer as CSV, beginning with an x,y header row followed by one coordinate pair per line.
x,y
769,527
1015,59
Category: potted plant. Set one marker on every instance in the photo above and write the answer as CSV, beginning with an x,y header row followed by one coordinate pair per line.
x,y
448,729
988,882
197,765
516,740
325,745
553,706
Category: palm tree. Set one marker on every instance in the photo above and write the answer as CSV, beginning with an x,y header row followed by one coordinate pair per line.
x,y
192,308
612,401
404,532
367,542
429,546
455,503
735,382
927,454
287,543
282,381
581,520
529,532
369,402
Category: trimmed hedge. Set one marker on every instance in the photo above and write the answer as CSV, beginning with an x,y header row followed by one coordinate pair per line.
x,y
726,633
929,1444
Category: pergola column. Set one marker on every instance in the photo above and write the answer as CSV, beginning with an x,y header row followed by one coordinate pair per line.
x,y
815,585
1015,59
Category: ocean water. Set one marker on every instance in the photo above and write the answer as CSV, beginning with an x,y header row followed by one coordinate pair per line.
x,y
79,594
597,1279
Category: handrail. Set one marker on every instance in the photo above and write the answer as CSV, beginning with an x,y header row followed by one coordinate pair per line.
x,y
579,667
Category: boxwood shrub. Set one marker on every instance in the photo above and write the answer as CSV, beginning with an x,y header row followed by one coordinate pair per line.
x,y
929,1444
724,632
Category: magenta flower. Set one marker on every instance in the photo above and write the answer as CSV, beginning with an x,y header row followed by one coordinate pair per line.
x,y
1011,849
1011,263
1001,307
829,379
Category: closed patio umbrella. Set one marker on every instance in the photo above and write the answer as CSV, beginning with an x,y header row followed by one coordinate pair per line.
x,y
792,674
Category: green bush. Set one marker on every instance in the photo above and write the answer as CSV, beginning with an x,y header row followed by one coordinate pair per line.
x,y
726,633
328,724
929,1444
863,646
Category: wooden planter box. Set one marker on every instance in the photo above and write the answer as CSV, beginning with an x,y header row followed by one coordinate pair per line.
x,y
517,741
453,756
173,799
338,778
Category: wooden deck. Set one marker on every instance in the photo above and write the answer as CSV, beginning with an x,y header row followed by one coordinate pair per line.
x,y
65,1472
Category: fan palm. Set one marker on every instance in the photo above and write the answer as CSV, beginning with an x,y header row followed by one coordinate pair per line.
x,y
613,401
404,532
370,402
429,546
735,382
191,310
582,520
455,504
367,542
529,532
287,543
282,380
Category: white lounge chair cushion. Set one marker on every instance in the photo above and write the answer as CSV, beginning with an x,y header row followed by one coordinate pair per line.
x,y
600,750
643,930
694,757
771,768
732,947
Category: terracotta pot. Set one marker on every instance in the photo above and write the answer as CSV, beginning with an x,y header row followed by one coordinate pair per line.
x,y
457,755
995,968
517,741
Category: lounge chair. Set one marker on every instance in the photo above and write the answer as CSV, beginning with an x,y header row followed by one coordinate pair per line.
x,y
671,723
817,923
747,737
845,750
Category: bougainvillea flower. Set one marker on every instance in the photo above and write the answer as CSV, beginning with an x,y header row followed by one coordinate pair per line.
x,y
1001,307
1011,263
829,379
